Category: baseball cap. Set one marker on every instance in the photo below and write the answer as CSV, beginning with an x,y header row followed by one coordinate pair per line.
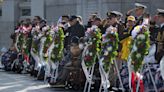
x,y
131,18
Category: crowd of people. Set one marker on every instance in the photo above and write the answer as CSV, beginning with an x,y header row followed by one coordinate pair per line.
x,y
74,31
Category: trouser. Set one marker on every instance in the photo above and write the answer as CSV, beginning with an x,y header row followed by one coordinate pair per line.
x,y
113,76
159,52
70,66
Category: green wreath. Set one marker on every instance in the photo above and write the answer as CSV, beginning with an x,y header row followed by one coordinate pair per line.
x,y
27,43
20,41
109,49
57,51
35,43
142,44
47,43
94,46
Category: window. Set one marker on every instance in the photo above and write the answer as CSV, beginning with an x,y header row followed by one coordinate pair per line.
x,y
0,11
1,1
26,12
26,0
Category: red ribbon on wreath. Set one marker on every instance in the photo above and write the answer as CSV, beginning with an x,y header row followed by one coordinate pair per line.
x,y
88,58
26,57
135,79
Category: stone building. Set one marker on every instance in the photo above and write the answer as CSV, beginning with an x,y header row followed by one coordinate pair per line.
x,y
11,11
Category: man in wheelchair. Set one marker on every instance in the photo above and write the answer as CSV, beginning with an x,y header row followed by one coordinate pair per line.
x,y
71,75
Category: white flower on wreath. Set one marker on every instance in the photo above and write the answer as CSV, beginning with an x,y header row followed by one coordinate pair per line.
x,y
67,34
136,30
91,54
35,37
46,54
94,27
51,32
135,48
111,30
94,39
87,32
87,52
45,28
24,46
138,55
55,29
40,35
37,27
53,55
57,45
141,36
90,43
106,53
85,43
109,48
18,30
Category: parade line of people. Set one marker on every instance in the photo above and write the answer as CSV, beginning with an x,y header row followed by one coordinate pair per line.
x,y
105,55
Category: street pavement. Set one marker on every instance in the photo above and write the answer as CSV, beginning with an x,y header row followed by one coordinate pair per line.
x,y
13,82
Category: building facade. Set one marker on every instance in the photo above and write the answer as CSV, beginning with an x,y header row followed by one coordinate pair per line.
x,y
11,11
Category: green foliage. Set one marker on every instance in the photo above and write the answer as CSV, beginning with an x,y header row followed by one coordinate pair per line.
x,y
47,43
21,41
93,48
109,49
142,43
57,52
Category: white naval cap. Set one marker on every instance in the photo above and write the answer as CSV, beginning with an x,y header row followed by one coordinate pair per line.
x,y
160,11
139,5
117,13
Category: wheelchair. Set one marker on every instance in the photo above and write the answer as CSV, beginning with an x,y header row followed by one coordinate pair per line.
x,y
8,58
71,75
76,76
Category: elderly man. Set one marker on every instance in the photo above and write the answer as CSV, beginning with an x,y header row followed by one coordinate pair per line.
x,y
75,29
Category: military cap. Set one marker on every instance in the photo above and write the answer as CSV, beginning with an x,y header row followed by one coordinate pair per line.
x,y
111,14
160,12
117,13
139,5
73,17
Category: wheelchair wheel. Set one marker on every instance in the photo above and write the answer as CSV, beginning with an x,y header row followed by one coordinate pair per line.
x,y
41,73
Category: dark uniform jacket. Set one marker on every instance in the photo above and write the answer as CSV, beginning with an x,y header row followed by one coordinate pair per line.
x,y
75,30
153,33
120,29
160,44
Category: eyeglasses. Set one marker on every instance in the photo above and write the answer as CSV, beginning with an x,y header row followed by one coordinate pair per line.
x,y
63,23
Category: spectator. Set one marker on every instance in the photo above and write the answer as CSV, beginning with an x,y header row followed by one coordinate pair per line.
x,y
160,36
79,18
103,26
91,19
153,30
36,20
75,29
126,42
97,22
113,21
139,11
130,23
